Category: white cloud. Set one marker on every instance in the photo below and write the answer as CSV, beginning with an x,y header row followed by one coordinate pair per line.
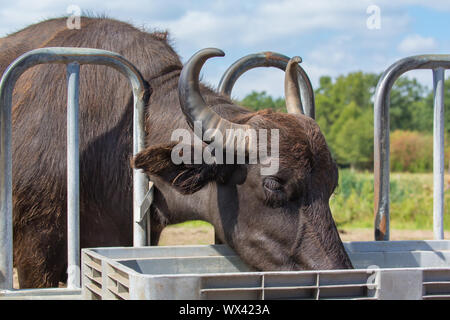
x,y
276,20
331,36
443,5
415,43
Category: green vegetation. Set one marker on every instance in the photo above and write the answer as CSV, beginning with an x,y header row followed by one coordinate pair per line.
x,y
411,151
344,112
261,100
411,201
191,223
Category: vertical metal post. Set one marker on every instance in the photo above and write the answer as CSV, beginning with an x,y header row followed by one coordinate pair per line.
x,y
73,177
73,57
140,180
381,156
438,63
438,154
6,229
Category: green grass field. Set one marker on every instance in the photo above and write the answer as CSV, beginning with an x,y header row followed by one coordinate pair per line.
x,y
411,201
352,204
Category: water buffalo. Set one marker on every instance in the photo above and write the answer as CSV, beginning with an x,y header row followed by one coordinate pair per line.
x,y
280,221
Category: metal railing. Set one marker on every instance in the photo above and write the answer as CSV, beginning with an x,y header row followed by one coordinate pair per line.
x,y
438,64
269,59
73,58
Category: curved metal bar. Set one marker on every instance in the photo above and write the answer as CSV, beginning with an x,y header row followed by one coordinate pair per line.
x,y
268,59
65,55
381,132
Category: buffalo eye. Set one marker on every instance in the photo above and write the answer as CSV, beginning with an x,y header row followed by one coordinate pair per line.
x,y
272,184
274,191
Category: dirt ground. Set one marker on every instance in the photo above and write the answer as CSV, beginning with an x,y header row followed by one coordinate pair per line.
x,y
205,235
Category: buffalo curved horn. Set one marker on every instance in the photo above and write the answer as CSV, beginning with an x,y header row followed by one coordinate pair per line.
x,y
195,108
269,59
291,87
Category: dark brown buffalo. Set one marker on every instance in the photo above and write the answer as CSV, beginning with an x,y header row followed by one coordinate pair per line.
x,y
279,222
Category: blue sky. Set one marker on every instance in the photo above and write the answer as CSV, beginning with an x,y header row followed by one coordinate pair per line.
x,y
331,36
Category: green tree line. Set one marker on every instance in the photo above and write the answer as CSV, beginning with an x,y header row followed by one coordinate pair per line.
x,y
344,112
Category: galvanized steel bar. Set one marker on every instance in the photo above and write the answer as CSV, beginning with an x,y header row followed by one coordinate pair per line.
x,y
381,132
13,72
140,180
438,154
6,228
268,59
73,177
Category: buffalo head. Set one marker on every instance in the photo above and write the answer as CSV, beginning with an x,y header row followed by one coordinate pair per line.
x,y
276,217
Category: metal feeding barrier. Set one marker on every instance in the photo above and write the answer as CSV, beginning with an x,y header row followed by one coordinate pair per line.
x,y
269,59
437,63
383,269
73,58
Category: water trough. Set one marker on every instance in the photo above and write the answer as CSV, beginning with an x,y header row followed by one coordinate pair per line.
x,y
383,270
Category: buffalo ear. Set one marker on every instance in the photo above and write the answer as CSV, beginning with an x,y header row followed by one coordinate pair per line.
x,y
186,178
